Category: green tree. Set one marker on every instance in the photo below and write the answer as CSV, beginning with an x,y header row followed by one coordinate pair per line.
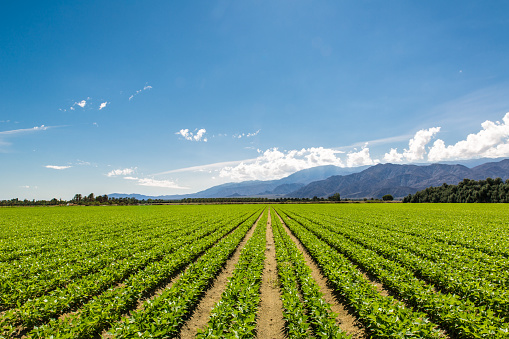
x,y
387,197
335,197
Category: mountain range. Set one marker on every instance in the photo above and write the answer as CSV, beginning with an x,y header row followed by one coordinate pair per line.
x,y
353,183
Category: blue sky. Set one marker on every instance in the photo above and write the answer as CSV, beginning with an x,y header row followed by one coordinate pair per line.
x,y
159,97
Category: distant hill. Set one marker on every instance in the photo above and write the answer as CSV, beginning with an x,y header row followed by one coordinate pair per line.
x,y
269,188
353,183
399,180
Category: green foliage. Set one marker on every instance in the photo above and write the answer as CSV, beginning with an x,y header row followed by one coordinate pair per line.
x,y
387,197
489,190
235,314
295,279
467,297
335,197
447,266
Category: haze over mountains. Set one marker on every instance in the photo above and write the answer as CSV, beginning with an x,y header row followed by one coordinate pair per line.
x,y
352,183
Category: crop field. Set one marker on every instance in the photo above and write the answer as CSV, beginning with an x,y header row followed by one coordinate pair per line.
x,y
246,271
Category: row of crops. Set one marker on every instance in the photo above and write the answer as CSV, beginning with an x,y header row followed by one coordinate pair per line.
x,y
141,271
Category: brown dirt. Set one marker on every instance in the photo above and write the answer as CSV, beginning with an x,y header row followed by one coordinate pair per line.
x,y
201,314
270,322
345,320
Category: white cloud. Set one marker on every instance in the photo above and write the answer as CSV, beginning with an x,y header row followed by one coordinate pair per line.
x,y
393,156
82,103
24,130
57,167
82,163
198,136
145,88
249,135
155,183
159,183
490,142
117,172
416,147
274,164
360,158
102,105
209,167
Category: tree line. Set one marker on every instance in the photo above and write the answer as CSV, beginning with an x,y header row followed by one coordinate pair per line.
x,y
466,191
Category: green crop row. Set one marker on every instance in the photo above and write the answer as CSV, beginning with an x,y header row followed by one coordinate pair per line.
x,y
459,316
235,314
441,272
125,255
163,316
148,273
294,273
383,316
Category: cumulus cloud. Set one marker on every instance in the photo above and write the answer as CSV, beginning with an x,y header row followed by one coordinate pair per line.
x,y
117,172
360,158
490,142
275,164
57,167
393,156
102,105
197,136
82,103
416,147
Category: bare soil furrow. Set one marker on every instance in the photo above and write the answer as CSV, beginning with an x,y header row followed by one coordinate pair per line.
x,y
270,322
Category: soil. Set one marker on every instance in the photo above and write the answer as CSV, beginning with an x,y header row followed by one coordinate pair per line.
x,y
270,322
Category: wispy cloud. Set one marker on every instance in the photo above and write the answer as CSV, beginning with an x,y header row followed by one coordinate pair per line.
x,y
56,167
145,88
381,141
103,105
155,183
208,167
118,172
247,135
18,132
25,130
159,183
196,136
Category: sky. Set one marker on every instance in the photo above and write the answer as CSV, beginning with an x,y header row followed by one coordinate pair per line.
x,y
166,97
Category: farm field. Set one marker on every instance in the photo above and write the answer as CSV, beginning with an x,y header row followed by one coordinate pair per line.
x,y
278,271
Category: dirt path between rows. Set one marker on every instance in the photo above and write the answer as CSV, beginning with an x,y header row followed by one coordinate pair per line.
x,y
270,322
345,320
201,314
